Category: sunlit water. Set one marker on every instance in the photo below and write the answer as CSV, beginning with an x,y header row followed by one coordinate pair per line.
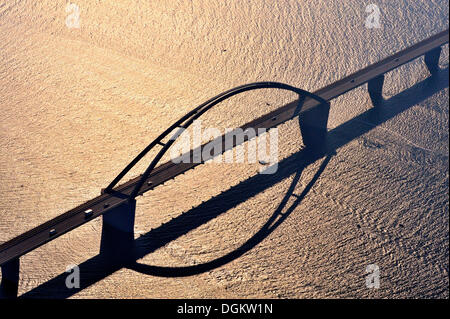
x,y
78,103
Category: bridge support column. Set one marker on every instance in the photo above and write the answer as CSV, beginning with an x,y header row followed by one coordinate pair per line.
x,y
118,233
432,60
10,279
313,126
375,88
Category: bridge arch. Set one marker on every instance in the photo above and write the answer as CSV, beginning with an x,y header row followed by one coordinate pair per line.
x,y
185,121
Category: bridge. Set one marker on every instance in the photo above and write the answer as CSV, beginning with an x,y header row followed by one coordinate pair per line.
x,y
117,202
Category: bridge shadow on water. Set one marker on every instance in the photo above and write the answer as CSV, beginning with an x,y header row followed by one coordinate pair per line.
x,y
102,265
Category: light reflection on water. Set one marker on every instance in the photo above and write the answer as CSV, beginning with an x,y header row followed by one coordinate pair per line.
x,y
80,103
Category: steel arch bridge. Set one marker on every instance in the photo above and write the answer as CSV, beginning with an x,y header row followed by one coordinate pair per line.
x,y
117,204
184,122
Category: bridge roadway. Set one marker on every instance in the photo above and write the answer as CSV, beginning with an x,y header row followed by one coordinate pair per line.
x,y
11,250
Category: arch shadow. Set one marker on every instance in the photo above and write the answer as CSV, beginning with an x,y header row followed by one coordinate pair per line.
x,y
100,267
279,215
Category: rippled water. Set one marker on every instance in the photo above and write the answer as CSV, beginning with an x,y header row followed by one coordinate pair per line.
x,y
78,104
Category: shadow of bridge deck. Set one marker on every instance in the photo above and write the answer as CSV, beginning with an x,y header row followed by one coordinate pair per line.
x,y
101,266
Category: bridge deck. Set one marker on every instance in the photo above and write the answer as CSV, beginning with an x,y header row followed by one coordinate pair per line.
x,y
76,217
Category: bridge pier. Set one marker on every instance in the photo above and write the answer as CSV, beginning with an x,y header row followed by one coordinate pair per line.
x,y
432,60
375,88
313,126
118,233
10,279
